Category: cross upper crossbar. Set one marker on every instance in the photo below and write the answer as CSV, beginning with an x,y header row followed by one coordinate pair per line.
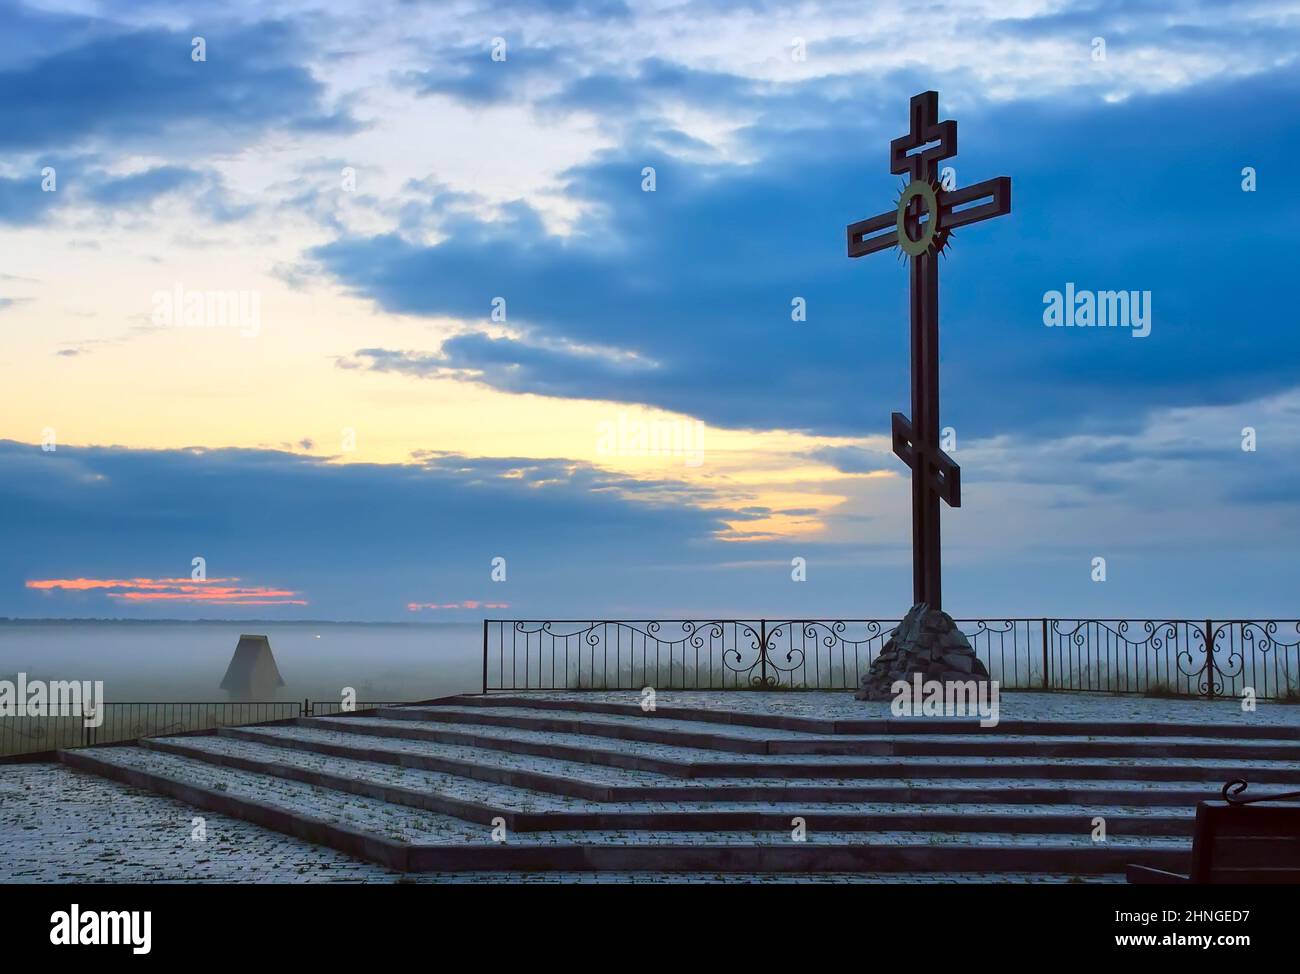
x,y
936,140
957,208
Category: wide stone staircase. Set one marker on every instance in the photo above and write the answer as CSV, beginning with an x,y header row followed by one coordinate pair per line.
x,y
532,782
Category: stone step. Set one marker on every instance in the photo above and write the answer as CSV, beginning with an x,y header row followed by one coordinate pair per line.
x,y
688,762
1283,727
755,740
525,810
592,783
598,783
765,879
414,839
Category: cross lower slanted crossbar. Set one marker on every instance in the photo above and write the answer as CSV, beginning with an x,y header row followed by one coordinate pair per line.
x,y
938,471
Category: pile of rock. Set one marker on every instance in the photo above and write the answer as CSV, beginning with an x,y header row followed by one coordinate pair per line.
x,y
927,642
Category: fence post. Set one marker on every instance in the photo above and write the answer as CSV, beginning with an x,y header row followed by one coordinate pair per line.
x,y
1210,666
762,651
306,707
485,654
1047,684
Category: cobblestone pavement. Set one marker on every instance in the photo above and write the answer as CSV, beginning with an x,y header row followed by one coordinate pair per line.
x,y
1013,705
57,824
61,826
526,800
416,825
673,752
746,732
601,774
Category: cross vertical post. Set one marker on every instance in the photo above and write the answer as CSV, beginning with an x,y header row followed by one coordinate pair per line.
x,y
926,581
921,226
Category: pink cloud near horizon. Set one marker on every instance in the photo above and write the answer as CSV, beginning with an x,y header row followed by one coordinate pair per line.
x,y
217,591
467,604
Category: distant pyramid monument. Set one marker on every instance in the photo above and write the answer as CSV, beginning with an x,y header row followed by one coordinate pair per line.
x,y
252,673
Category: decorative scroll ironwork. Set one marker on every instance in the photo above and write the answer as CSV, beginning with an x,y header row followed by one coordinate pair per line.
x,y
1254,652
1232,793
1176,657
712,654
1171,657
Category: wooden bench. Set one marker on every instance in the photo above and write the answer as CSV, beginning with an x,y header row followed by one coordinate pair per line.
x,y
1239,840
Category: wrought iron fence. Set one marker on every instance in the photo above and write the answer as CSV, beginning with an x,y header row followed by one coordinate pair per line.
x,y
125,721
1176,657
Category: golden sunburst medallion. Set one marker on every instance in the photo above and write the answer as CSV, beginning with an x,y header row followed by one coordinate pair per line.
x,y
917,236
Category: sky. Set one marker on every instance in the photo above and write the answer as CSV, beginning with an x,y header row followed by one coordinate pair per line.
x,y
405,311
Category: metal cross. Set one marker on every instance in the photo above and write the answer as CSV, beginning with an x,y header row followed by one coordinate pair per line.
x,y
921,226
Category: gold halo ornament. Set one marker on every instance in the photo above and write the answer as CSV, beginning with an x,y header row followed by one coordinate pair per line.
x,y
930,202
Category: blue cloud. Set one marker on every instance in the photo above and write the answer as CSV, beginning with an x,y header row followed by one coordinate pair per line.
x,y
595,9
653,80
283,519
22,202
142,86
80,185
143,187
470,75
853,459
698,277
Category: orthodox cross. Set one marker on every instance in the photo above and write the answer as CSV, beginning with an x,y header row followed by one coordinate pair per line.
x,y
921,226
